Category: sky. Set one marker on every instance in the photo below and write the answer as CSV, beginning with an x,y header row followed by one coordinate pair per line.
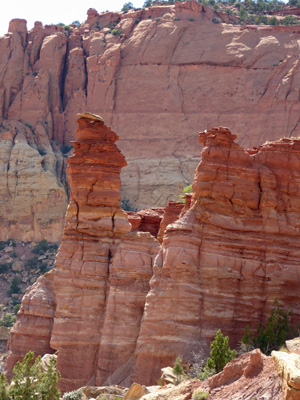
x,y
54,11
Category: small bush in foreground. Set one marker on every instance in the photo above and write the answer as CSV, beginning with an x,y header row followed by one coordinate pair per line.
x,y
200,395
74,395
220,353
178,370
30,381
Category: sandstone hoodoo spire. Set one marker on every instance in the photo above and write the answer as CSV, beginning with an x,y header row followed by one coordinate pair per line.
x,y
102,273
94,177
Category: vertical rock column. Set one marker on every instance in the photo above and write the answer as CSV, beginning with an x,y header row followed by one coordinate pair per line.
x,y
226,260
93,227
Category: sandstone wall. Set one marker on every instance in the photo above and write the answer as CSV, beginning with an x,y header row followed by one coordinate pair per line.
x,y
229,256
172,71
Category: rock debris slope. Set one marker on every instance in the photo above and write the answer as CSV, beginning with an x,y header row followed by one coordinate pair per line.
x,y
114,318
201,72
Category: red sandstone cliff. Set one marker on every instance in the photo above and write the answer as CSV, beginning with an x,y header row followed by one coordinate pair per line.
x,y
102,273
172,71
220,266
231,254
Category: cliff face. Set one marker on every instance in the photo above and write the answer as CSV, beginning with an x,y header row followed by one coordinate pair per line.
x,y
203,73
231,254
116,315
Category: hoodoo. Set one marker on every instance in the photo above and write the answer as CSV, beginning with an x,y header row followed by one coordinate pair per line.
x,y
102,272
116,315
222,265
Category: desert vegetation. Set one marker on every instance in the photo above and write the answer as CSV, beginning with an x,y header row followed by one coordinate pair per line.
x,y
267,338
31,381
260,12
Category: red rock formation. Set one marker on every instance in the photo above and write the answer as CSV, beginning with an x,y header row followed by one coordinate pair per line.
x,y
231,254
148,220
102,274
33,202
33,329
171,214
47,74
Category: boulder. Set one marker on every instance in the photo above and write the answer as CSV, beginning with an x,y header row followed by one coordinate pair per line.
x,y
288,369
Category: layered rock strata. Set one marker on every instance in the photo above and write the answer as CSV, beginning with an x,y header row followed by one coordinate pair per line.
x,y
208,73
220,266
33,328
288,369
32,200
148,220
171,214
231,254
102,271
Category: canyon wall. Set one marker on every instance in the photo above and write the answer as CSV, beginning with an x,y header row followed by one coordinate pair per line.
x,y
114,314
162,73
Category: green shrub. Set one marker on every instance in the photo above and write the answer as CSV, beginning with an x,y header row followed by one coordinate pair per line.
x,y
2,245
32,263
30,381
216,21
290,20
178,370
200,395
14,287
8,320
5,267
116,32
273,21
43,268
3,388
44,246
272,336
186,189
16,308
74,395
127,6
220,353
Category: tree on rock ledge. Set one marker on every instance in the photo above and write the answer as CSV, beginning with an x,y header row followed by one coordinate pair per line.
x,y
220,354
